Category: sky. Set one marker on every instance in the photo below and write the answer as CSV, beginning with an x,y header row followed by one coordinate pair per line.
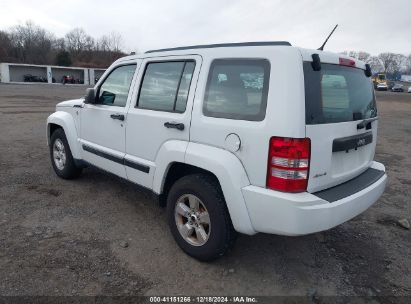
x,y
373,26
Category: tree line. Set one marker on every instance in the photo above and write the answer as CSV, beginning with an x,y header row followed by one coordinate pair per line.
x,y
30,43
392,64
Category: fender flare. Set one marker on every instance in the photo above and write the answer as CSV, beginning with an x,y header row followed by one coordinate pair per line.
x,y
232,177
66,121
170,152
223,164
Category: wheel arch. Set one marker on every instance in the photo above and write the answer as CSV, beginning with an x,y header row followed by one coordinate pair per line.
x,y
177,170
220,164
66,122
51,128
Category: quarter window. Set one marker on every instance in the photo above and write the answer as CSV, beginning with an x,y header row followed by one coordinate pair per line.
x,y
166,85
114,90
237,89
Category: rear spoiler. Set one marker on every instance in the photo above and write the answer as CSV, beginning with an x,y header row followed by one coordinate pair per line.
x,y
316,64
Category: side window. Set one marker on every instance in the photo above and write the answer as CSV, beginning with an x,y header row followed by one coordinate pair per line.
x,y
114,90
237,89
165,86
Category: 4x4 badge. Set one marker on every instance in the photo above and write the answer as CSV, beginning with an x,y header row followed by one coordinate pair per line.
x,y
320,174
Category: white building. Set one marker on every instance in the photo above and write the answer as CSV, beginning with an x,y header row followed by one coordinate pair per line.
x,y
19,72
406,78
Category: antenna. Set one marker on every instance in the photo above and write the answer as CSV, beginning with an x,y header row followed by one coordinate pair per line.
x,y
322,47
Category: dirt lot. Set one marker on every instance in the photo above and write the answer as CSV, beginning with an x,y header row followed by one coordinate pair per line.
x,y
62,237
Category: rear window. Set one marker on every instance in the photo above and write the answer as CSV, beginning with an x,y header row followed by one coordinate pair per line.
x,y
337,94
237,89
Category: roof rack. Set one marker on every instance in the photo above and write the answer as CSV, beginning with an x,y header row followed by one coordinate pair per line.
x,y
210,46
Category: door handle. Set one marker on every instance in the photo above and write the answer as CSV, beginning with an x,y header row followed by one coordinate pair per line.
x,y
117,116
174,125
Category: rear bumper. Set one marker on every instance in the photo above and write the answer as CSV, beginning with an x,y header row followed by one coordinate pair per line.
x,y
303,213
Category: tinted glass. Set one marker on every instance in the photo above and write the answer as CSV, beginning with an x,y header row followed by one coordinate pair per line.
x,y
334,92
114,90
237,89
165,86
337,94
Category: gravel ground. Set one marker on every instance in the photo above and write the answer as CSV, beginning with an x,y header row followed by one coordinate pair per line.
x,y
61,237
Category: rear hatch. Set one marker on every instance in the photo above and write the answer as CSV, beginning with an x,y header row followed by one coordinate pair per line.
x,y
340,121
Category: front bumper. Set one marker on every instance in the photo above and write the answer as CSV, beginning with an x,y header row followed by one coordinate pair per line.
x,y
303,213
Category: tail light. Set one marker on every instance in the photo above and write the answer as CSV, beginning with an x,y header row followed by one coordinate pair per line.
x,y
288,164
347,62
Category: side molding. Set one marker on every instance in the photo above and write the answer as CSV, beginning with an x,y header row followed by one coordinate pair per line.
x,y
66,121
119,160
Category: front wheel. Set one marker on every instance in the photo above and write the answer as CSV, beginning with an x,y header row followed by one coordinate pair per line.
x,y
61,157
198,217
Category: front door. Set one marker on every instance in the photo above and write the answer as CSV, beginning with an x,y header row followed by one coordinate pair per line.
x,y
102,131
160,113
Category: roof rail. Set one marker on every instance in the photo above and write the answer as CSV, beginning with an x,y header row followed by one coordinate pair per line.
x,y
210,46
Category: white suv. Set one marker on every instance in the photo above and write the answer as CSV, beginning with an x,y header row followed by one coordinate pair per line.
x,y
244,137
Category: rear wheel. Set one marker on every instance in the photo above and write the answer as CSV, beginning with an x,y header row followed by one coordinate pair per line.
x,y
198,217
61,157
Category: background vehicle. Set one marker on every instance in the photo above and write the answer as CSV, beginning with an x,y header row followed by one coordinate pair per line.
x,y
200,128
409,89
390,84
382,87
397,88
68,79
30,78
378,79
33,78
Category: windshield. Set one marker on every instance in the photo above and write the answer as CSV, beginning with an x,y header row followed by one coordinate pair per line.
x,y
337,94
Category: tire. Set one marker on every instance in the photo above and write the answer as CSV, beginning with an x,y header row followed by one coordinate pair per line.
x,y
221,235
65,169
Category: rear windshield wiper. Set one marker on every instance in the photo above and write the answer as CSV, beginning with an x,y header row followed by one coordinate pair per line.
x,y
362,124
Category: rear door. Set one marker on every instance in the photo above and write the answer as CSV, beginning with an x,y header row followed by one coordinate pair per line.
x,y
340,122
160,112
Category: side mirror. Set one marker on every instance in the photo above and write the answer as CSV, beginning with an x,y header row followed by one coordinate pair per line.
x,y
90,96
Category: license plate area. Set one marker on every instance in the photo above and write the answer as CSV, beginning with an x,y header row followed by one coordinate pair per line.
x,y
352,142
